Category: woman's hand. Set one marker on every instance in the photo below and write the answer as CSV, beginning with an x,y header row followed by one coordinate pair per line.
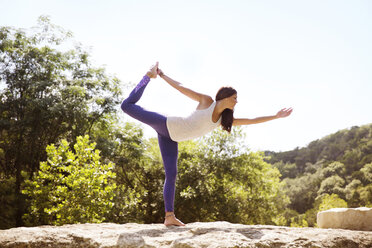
x,y
160,72
284,113
153,72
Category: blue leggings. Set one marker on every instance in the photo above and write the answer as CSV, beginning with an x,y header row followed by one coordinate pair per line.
x,y
168,147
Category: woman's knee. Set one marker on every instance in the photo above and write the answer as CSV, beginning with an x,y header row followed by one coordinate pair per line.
x,y
125,105
171,175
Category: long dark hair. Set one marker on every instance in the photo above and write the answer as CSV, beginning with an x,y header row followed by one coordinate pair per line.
x,y
227,114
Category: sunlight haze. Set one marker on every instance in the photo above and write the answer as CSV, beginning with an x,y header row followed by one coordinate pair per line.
x,y
314,56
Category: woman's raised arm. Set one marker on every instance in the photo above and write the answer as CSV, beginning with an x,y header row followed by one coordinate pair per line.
x,y
281,114
201,98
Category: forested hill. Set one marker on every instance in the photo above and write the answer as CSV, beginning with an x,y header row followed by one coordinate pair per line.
x,y
352,147
335,171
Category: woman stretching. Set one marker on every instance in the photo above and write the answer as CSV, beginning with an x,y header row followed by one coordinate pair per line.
x,y
208,115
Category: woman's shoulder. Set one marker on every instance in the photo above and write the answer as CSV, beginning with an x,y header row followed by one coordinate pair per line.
x,y
205,102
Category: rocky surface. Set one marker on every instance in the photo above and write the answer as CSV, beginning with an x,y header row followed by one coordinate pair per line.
x,y
209,234
346,218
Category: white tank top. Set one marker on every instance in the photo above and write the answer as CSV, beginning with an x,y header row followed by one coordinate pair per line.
x,y
195,125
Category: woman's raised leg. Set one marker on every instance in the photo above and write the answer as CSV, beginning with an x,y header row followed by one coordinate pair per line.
x,y
153,119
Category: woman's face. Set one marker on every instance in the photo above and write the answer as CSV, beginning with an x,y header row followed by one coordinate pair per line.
x,y
232,101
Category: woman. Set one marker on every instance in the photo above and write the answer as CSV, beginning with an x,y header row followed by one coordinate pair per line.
x,y
208,115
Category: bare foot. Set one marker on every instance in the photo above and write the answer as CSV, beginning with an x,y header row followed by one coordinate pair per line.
x,y
171,220
153,72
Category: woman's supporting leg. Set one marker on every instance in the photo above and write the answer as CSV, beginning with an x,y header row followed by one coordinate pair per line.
x,y
153,119
169,153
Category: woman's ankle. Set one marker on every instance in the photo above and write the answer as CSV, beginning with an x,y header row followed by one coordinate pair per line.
x,y
169,214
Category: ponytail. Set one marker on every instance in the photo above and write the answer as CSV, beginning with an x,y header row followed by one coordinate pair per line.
x,y
227,114
227,119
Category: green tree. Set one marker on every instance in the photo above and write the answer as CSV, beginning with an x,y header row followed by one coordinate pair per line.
x,y
365,195
365,191
287,170
331,201
302,191
339,163
367,173
70,187
222,180
217,180
335,168
299,221
332,185
352,194
141,197
49,90
7,199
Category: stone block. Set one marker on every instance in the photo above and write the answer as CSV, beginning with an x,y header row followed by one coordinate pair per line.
x,y
346,218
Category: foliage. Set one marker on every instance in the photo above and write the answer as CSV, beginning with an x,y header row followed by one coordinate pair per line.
x,y
7,202
331,201
70,187
124,145
352,147
330,185
217,180
49,91
367,173
366,195
302,191
299,221
140,197
228,182
287,170
336,169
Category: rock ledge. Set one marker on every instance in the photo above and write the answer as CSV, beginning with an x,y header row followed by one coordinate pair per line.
x,y
208,234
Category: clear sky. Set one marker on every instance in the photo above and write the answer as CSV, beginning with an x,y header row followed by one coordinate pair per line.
x,y
314,56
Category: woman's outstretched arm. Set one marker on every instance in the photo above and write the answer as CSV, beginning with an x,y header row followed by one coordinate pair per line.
x,y
281,114
201,98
